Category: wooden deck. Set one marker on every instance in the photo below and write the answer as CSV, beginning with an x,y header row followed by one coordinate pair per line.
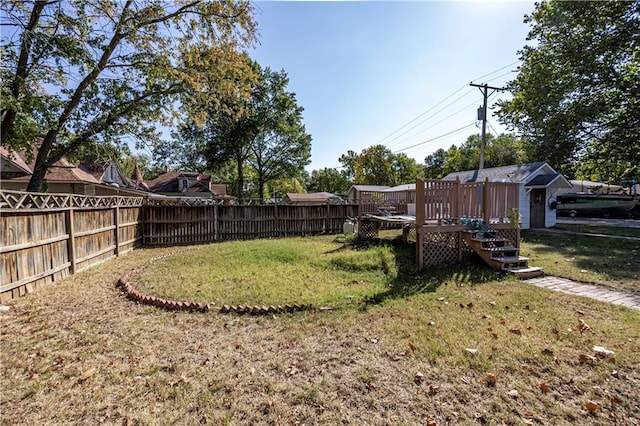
x,y
440,211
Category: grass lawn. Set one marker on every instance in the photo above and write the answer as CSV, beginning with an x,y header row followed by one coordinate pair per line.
x,y
611,262
457,345
599,229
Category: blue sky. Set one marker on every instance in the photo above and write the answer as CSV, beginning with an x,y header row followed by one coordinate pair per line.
x,y
362,70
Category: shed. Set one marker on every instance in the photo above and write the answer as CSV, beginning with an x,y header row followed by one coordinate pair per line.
x,y
539,185
353,195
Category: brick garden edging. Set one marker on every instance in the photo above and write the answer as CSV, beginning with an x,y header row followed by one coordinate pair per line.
x,y
174,305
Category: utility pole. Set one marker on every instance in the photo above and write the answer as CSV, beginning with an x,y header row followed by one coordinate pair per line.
x,y
482,115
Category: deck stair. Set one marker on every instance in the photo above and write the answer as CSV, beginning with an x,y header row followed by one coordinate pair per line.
x,y
499,254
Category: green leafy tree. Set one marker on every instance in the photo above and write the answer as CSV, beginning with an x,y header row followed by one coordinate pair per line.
x,y
434,164
377,165
281,147
99,70
262,131
329,180
503,150
576,99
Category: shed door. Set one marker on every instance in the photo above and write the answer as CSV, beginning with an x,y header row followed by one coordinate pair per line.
x,y
537,204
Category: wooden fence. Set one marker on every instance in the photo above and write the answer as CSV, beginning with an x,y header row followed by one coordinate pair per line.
x,y
46,237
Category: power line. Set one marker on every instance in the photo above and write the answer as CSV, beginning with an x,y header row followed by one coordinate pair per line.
x,y
420,115
441,102
429,117
436,138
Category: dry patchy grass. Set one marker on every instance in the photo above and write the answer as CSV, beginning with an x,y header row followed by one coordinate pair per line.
x,y
78,352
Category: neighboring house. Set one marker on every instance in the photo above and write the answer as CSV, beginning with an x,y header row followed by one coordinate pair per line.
x,y
353,195
539,185
315,198
111,176
62,178
187,184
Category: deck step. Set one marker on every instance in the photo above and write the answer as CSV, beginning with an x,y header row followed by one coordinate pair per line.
x,y
503,248
510,259
489,240
526,272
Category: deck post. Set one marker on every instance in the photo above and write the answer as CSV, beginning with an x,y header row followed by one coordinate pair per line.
x,y
420,214
486,214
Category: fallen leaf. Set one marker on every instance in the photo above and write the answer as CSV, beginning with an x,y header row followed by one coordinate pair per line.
x,y
592,406
545,387
84,376
495,335
586,358
471,351
490,379
584,327
418,378
515,331
431,421
513,393
412,347
554,330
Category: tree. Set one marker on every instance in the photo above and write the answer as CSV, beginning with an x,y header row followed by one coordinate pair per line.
x,y
98,70
434,164
281,146
329,180
503,150
576,99
377,165
263,132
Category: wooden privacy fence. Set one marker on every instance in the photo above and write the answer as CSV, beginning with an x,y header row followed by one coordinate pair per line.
x,y
202,224
46,237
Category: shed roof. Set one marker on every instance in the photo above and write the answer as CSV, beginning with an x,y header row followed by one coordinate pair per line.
x,y
515,173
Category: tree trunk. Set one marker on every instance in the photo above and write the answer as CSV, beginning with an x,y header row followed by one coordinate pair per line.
x,y
21,69
239,164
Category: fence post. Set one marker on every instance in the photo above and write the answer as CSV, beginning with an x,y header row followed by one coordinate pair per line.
x,y
215,222
116,222
71,242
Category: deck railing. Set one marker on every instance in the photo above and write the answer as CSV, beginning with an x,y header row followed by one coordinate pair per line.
x,y
380,202
440,202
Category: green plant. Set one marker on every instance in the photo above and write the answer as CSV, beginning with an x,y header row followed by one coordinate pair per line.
x,y
514,217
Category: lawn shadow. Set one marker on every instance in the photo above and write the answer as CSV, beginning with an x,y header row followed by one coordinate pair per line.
x,y
409,281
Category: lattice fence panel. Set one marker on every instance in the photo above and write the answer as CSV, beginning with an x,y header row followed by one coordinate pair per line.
x,y
440,248
510,234
368,228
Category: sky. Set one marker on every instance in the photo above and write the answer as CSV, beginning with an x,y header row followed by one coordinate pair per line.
x,y
391,73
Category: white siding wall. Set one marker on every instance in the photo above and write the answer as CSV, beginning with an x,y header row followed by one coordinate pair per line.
x,y
550,215
524,207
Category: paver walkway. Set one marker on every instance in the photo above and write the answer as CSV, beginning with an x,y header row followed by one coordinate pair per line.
x,y
588,290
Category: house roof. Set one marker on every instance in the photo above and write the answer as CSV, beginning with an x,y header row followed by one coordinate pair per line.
x,y
368,187
166,182
403,187
543,180
516,173
16,159
60,171
169,183
314,197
